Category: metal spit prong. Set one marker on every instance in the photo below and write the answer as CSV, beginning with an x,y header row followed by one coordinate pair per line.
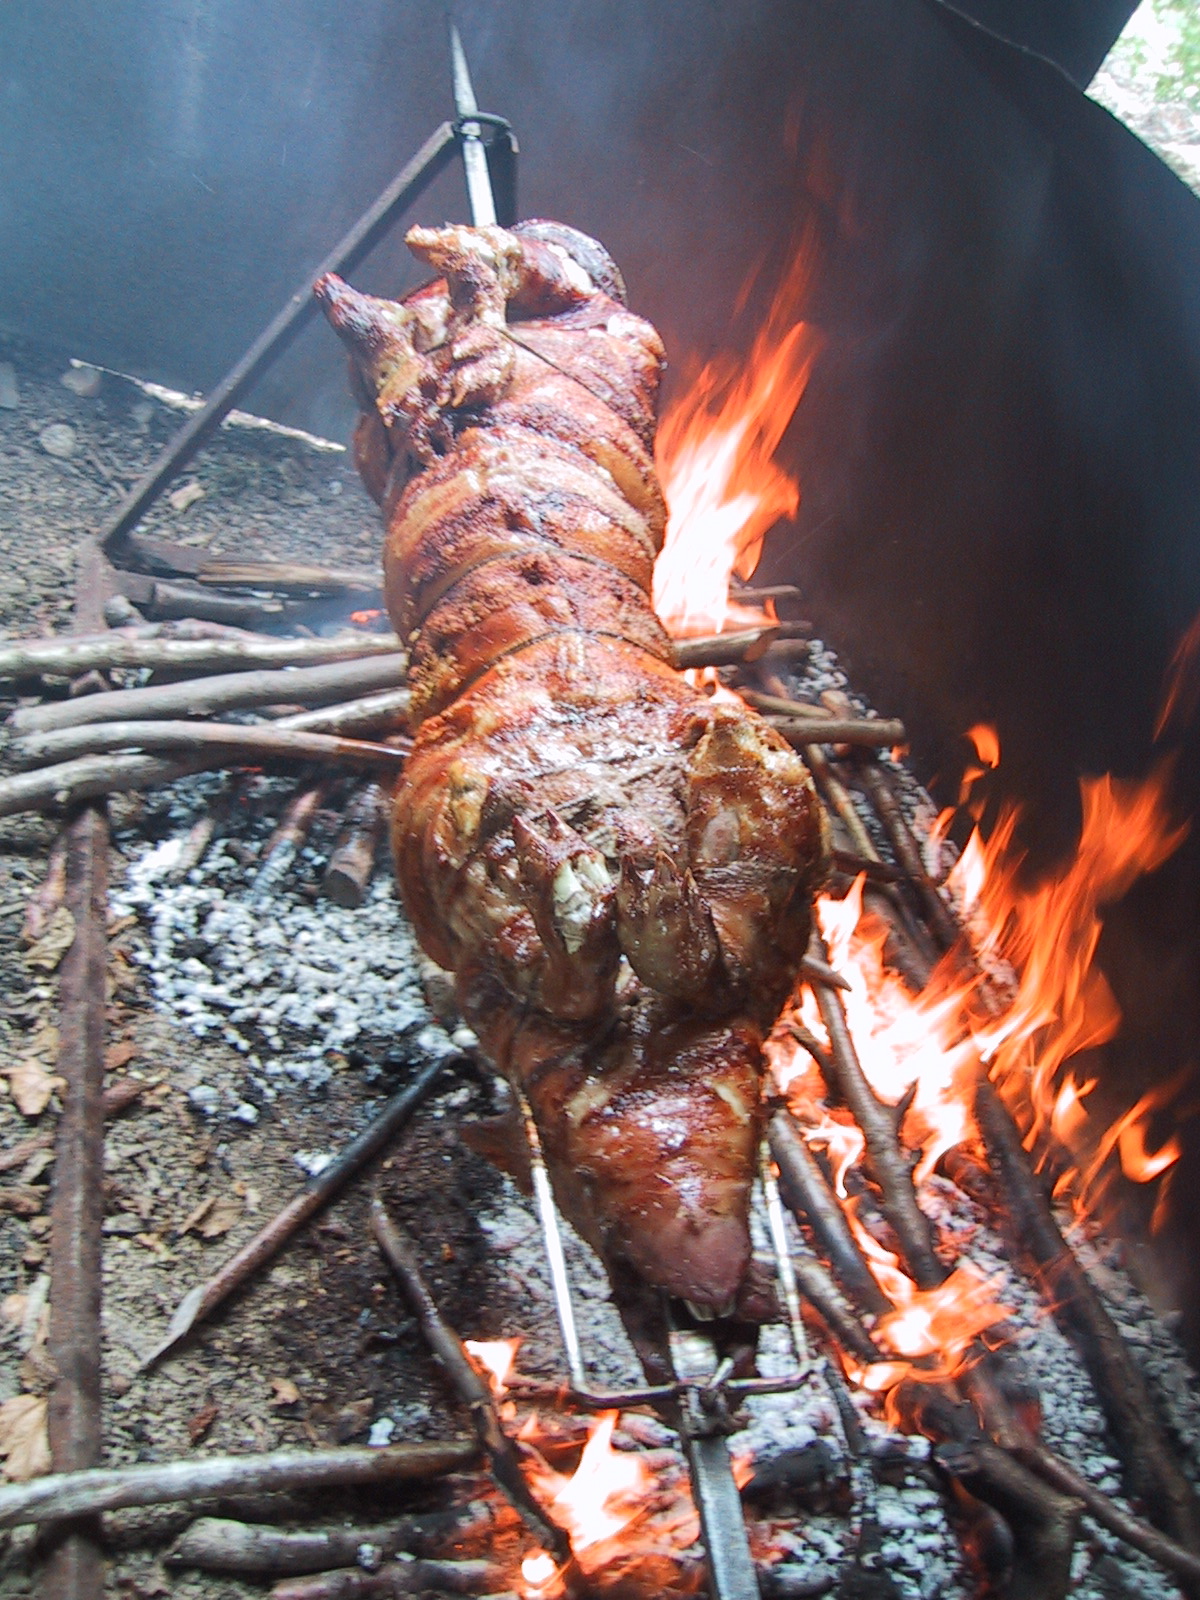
x,y
479,181
783,1254
552,1236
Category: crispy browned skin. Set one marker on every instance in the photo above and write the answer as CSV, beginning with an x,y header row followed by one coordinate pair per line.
x,y
618,871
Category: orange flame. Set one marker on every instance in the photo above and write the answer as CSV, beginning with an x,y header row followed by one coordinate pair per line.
x,y
715,450
1181,684
935,1044
604,1494
497,1358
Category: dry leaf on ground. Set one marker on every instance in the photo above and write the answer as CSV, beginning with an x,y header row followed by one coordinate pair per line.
x,y
23,1440
286,1392
32,1086
119,1054
198,1425
49,950
225,1212
186,495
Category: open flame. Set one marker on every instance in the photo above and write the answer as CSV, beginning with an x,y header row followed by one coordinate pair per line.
x,y
607,1491
715,458
496,1357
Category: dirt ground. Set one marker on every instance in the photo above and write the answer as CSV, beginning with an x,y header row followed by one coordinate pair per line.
x,y
317,1347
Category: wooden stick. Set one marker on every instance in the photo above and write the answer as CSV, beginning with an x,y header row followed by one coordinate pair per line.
x,y
74,1563
204,1299
434,155
252,741
821,972
401,1257
385,712
288,576
69,658
941,919
803,1186
77,1494
1152,1474
396,1578
873,732
231,691
68,782
219,1544
782,705
898,1201
722,649
352,860
287,839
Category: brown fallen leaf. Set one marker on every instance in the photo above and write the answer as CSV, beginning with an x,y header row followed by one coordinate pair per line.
x,y
226,1210
286,1392
197,1214
58,938
121,1095
119,1054
18,1154
22,1199
198,1425
23,1441
32,1086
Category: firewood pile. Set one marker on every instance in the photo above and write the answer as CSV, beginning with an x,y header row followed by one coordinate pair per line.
x,y
988,1459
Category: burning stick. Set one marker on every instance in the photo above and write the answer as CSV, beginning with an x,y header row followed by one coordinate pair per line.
x,y
82,1494
1043,1521
807,1193
353,859
879,1128
69,658
873,732
227,692
941,919
464,1379
721,649
204,1299
74,1564
1152,1474
259,741
287,841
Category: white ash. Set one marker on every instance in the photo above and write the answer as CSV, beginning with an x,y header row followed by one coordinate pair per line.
x,y
287,978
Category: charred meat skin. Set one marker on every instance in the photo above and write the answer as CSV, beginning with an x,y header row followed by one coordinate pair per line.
x,y
618,871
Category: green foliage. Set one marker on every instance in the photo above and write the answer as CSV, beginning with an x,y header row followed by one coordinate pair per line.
x,y
1181,79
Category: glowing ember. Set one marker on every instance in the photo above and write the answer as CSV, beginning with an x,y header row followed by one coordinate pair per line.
x,y
715,449
496,1357
539,1572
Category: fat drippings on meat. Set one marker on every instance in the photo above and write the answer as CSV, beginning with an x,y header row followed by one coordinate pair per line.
x,y
618,871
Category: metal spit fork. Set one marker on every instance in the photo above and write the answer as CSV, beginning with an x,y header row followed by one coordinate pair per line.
x,y
703,1386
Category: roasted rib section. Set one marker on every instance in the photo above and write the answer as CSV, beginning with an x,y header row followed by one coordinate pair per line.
x,y
618,870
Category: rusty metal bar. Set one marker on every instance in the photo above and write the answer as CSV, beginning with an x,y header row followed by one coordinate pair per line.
x,y
117,538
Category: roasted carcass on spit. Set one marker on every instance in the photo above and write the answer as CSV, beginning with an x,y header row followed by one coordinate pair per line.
x,y
617,869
